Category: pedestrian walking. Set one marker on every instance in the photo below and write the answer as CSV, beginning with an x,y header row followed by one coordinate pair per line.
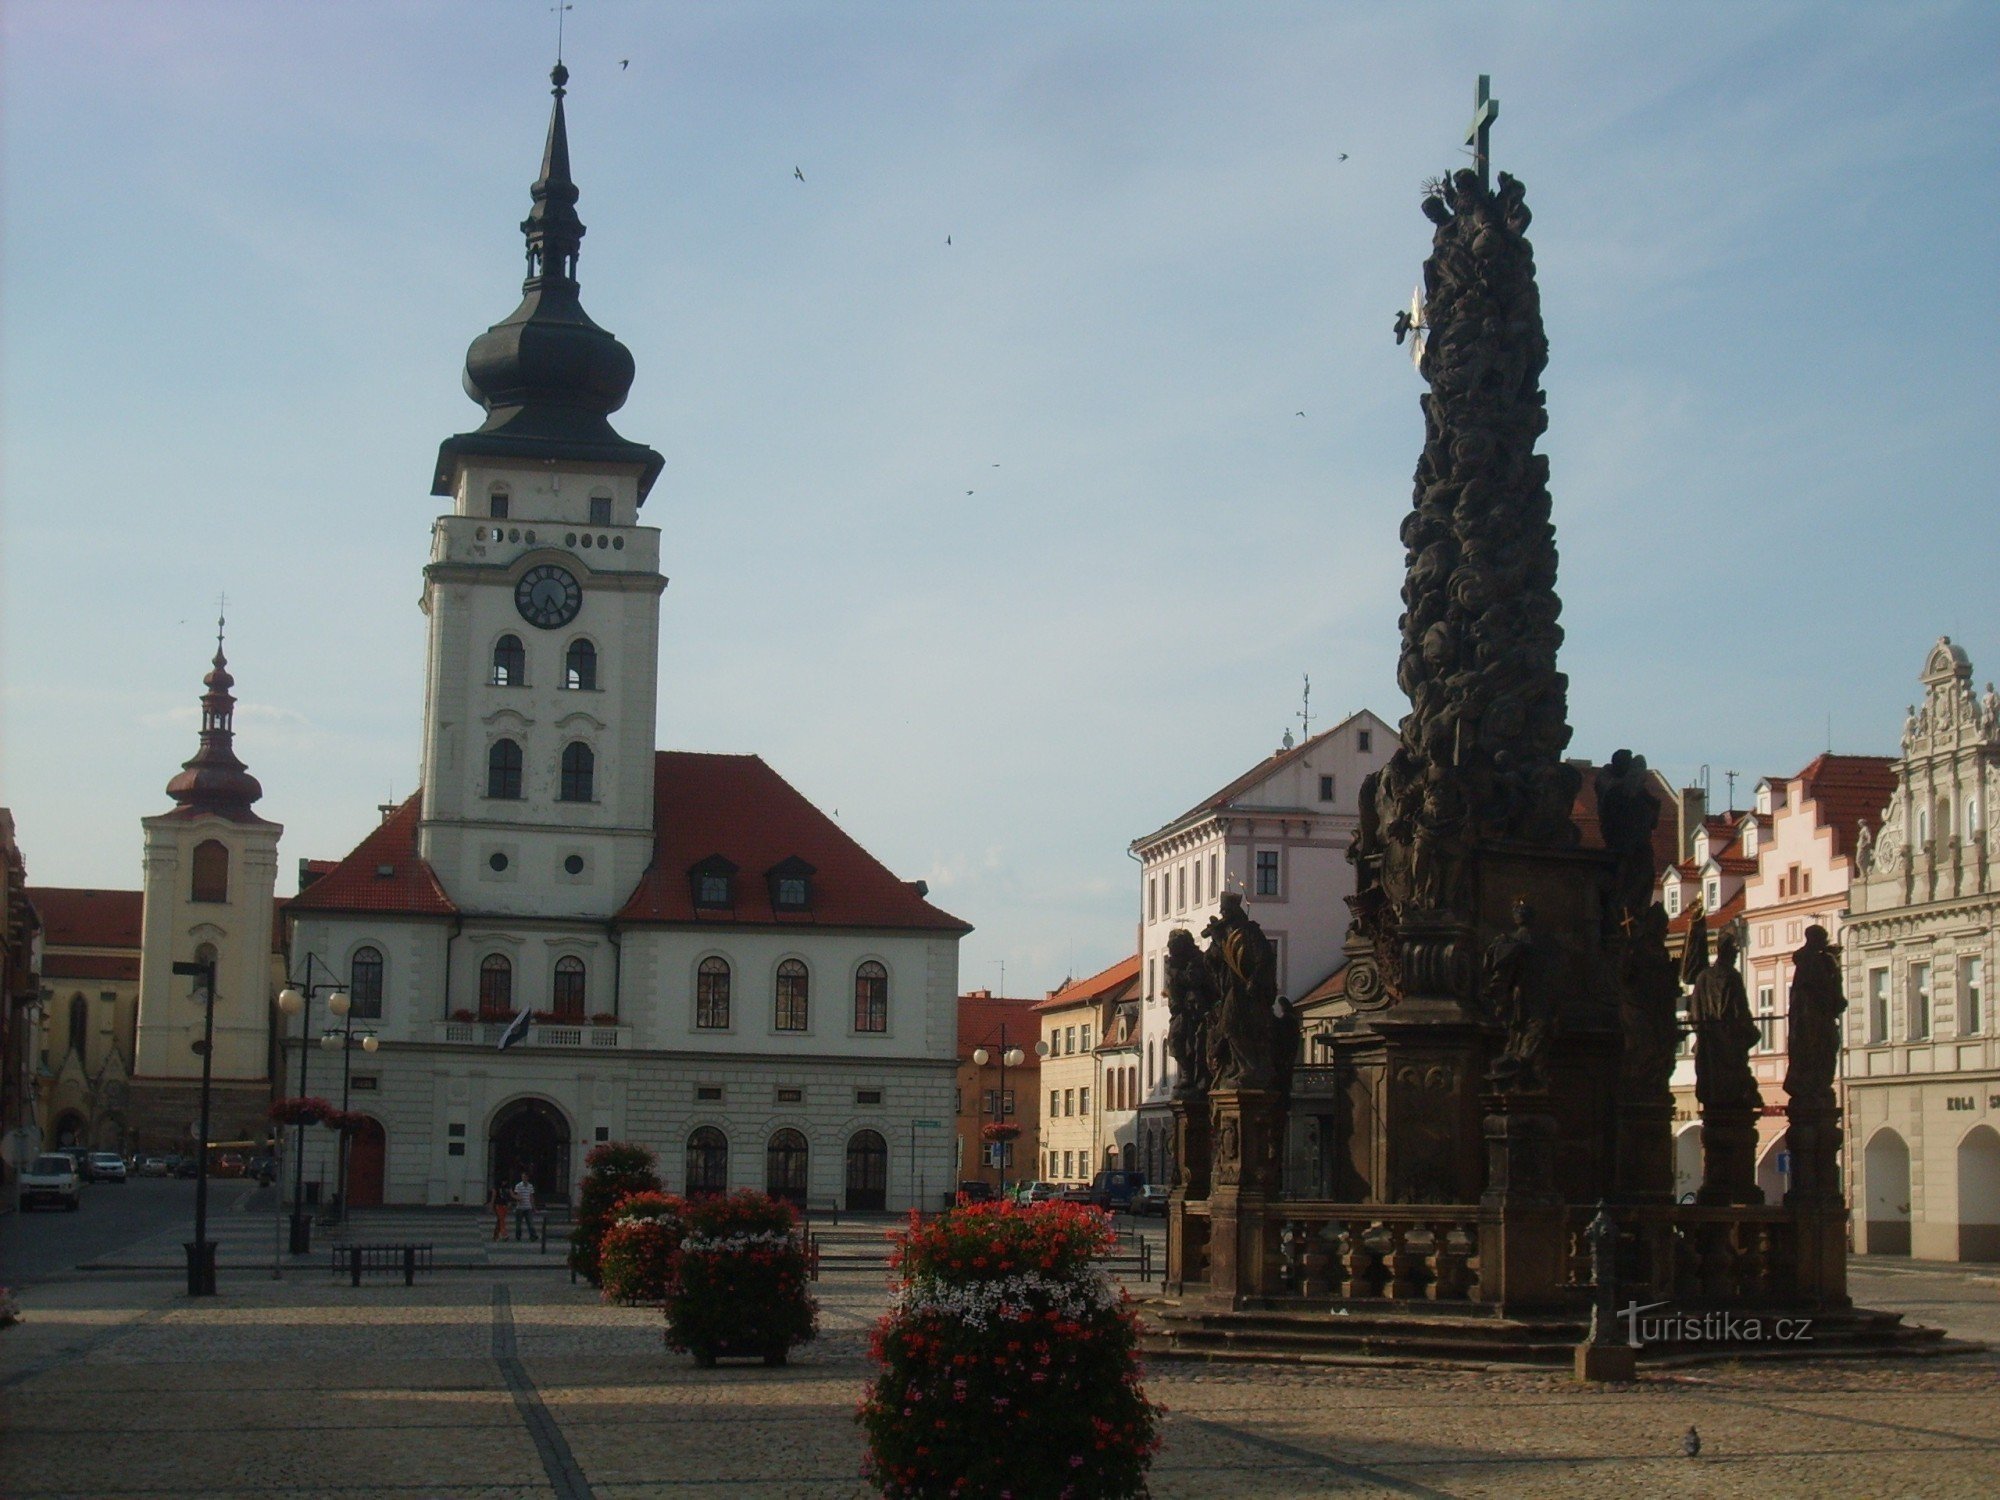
x,y
524,1208
499,1201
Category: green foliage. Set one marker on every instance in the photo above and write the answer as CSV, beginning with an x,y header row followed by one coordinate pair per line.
x,y
612,1171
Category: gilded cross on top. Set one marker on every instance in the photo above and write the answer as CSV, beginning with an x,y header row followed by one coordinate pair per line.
x,y
1486,109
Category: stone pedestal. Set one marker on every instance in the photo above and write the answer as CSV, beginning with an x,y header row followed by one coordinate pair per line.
x,y
1248,1137
1729,1156
1188,1234
1645,1164
1523,1236
1813,1139
1606,1362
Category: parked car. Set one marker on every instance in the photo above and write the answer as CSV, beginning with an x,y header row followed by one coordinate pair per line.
x,y
1076,1192
107,1166
150,1166
974,1191
185,1166
51,1177
78,1158
1151,1199
227,1164
264,1168
1036,1192
1116,1190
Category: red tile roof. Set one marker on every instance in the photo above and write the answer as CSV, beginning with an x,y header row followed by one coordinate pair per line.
x,y
738,807
1850,790
1105,984
1718,919
76,918
981,1015
357,883
1583,813
1330,988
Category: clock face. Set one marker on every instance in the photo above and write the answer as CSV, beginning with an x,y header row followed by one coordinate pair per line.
x,y
547,596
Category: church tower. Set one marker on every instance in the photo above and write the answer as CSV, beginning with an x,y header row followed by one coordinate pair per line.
x,y
211,869
543,598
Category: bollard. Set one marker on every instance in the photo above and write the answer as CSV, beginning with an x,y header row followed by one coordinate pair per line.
x,y
409,1265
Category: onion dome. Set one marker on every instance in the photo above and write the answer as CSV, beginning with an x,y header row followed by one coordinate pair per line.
x,y
548,377
215,782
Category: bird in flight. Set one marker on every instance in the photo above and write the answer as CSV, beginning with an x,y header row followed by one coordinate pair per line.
x,y
968,492
1298,414
1343,156
624,63
947,239
798,174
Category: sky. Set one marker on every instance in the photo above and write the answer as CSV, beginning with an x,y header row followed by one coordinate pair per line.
x,y
1008,549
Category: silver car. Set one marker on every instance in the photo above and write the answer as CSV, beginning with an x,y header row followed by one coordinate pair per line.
x,y
51,1178
107,1166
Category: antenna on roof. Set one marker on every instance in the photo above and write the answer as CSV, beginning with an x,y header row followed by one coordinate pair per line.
x,y
1306,709
1732,775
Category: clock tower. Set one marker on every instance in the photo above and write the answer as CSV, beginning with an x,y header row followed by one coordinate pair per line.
x,y
542,594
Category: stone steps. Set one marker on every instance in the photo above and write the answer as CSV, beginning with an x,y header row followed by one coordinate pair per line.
x,y
1428,1335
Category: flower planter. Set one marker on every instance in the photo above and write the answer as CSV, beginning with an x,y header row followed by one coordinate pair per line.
x,y
1008,1362
613,1171
738,1289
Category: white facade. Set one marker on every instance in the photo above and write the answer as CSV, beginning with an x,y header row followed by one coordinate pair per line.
x,y
1279,834
1923,1042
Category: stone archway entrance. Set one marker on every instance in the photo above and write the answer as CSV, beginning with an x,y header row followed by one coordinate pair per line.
x,y
367,1165
531,1136
1979,1195
1774,1171
1687,1162
1885,1169
70,1130
867,1172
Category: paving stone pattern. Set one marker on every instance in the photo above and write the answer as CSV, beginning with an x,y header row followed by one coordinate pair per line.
x,y
513,1383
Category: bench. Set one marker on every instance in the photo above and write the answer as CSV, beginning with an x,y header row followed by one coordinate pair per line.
x,y
409,1259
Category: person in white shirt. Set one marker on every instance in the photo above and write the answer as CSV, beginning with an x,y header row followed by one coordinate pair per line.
x,y
524,1208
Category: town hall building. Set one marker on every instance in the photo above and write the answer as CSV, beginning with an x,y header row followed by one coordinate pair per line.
x,y
568,935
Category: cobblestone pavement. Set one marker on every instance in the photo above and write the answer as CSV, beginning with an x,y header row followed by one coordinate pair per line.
x,y
512,1384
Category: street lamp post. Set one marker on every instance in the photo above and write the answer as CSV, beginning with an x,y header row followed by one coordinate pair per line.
x,y
201,1253
341,1005
295,1000
1010,1057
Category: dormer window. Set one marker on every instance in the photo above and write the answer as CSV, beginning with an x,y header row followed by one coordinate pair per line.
x,y
791,884
1673,901
600,510
496,505
712,883
1712,894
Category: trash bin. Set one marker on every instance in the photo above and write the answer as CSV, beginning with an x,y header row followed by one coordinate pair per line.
x,y
302,1232
201,1267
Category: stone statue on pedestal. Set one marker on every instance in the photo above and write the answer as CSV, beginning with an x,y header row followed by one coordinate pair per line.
x,y
1191,1004
1818,1002
1519,986
1724,1029
1250,1044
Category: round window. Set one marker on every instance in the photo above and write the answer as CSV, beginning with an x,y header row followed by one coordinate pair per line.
x,y
574,864
496,862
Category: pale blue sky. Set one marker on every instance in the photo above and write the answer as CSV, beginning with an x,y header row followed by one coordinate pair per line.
x,y
246,246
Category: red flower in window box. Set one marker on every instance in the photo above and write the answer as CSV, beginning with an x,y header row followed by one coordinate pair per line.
x,y
604,1018
301,1111
346,1121
1000,1130
464,1014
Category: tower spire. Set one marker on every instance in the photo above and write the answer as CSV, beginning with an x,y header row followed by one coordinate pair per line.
x,y
214,781
553,229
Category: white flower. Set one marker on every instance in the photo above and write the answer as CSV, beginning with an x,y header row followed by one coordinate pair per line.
x,y
1012,1298
736,1244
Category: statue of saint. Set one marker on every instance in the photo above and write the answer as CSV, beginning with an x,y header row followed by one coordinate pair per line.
x,y
1818,1003
1648,1006
1724,1030
1864,849
1191,1003
1518,986
1247,1034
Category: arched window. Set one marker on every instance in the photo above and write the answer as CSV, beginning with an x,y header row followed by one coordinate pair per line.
x,y
79,1023
871,997
211,871
711,995
579,768
580,667
503,771
1150,1075
364,983
785,1167
568,996
791,996
496,988
707,1162
510,662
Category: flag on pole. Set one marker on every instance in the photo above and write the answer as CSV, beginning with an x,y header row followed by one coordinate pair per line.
x,y
517,1029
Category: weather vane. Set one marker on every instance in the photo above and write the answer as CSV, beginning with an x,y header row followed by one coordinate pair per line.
x,y
560,7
